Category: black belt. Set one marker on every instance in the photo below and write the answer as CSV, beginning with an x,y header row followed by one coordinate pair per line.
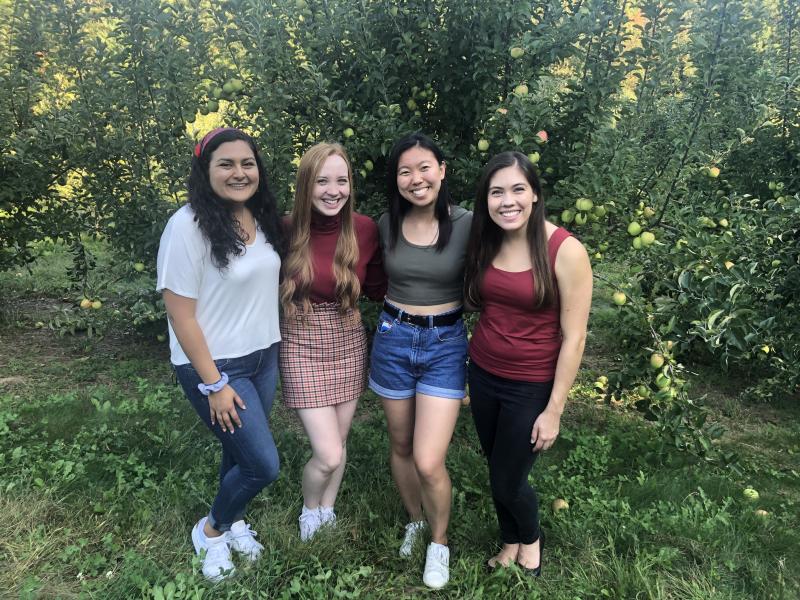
x,y
450,318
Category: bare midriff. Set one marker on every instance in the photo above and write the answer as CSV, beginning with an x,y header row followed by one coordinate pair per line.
x,y
433,309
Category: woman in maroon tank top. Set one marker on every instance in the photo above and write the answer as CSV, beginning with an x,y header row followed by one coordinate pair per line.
x,y
532,283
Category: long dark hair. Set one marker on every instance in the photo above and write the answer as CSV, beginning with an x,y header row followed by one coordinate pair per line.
x,y
399,206
486,237
214,215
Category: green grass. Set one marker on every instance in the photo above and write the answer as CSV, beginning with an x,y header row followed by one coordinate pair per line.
x,y
104,468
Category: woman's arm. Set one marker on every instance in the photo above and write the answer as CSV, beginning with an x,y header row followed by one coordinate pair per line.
x,y
181,313
574,276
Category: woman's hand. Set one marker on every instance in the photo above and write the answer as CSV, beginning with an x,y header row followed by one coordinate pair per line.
x,y
545,430
222,408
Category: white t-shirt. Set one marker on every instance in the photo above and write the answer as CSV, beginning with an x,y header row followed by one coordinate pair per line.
x,y
237,308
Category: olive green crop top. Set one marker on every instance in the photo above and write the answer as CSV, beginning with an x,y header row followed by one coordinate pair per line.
x,y
420,275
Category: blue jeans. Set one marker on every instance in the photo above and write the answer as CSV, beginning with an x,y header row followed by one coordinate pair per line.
x,y
249,456
408,359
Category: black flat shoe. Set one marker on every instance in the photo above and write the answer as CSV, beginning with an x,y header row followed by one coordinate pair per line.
x,y
536,571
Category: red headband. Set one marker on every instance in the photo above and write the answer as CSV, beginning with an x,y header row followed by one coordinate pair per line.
x,y
201,145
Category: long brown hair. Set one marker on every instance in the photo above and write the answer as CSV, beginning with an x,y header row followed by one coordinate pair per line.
x,y
486,237
298,271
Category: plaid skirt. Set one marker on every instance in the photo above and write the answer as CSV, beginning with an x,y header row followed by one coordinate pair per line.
x,y
323,358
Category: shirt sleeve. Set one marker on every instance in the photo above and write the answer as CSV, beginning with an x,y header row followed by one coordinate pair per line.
x,y
375,282
181,257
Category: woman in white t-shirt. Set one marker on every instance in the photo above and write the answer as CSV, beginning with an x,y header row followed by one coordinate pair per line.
x,y
218,266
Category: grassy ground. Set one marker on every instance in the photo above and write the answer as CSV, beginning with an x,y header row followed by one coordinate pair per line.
x,y
104,468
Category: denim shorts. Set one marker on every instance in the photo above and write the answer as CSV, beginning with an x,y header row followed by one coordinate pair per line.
x,y
408,359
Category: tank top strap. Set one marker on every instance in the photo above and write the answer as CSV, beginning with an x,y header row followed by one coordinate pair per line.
x,y
554,243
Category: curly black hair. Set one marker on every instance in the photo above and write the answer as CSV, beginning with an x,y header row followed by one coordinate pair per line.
x,y
214,215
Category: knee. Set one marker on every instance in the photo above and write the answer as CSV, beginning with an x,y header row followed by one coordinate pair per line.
x,y
403,449
329,459
503,489
430,470
265,469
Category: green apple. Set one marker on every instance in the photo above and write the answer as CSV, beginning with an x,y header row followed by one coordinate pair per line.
x,y
516,52
161,337
368,165
647,238
619,298
656,360
750,494
600,211
713,172
138,267
583,204
580,218
634,229
567,216
393,11
662,381
86,303
521,90
411,104
723,222
637,243
348,133
761,513
228,87
483,145
216,93
97,304
534,157
560,504
212,106
776,263
648,212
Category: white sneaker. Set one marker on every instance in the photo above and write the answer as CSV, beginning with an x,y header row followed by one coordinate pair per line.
x,y
213,552
242,539
309,523
437,570
327,516
413,531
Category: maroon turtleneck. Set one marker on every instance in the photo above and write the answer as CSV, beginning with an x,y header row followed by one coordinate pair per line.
x,y
369,268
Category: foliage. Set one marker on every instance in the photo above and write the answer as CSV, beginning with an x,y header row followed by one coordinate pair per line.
x,y
676,114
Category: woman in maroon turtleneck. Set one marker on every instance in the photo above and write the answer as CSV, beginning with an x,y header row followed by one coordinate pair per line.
x,y
334,257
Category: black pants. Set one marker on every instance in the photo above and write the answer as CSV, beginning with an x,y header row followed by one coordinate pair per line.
x,y
504,411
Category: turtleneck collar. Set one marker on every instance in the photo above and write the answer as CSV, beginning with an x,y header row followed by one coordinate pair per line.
x,y
323,223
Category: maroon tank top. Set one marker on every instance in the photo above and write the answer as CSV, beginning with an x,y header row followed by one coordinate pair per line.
x,y
512,339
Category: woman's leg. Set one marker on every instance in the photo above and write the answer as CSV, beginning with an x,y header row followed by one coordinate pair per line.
x,y
327,428
511,462
344,418
434,423
400,423
485,409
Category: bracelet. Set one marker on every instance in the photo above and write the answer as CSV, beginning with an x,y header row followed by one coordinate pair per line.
x,y
213,387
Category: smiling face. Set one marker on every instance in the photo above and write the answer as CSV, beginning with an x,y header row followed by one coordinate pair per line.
x,y
510,199
233,171
419,176
331,186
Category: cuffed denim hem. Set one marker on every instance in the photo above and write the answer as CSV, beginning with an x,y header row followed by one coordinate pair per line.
x,y
391,394
430,390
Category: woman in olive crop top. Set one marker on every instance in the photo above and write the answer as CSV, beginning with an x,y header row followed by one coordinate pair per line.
x,y
532,283
418,364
